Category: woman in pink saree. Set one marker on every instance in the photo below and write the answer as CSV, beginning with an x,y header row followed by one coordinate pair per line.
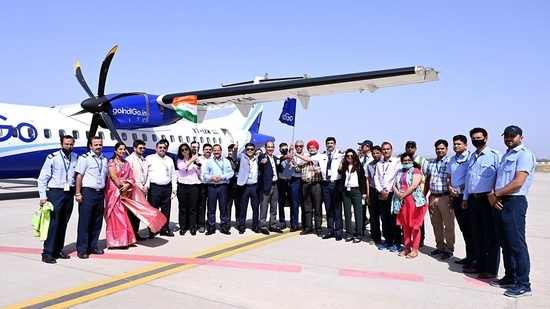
x,y
121,196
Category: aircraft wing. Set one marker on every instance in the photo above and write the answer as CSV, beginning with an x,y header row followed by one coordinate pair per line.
x,y
244,95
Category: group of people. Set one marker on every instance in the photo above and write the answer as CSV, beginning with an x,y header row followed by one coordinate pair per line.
x,y
484,190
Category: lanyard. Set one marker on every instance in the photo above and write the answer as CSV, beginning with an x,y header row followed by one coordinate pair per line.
x,y
65,164
99,166
220,166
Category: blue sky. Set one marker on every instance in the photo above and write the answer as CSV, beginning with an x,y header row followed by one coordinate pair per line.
x,y
493,58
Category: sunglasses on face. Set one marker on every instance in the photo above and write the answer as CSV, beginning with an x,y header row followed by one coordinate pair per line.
x,y
185,149
349,156
299,146
162,147
141,148
249,149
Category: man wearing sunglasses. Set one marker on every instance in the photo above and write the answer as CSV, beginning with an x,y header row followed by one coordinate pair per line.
x,y
268,190
162,181
247,186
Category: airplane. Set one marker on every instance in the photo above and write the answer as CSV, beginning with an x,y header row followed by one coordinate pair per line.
x,y
29,133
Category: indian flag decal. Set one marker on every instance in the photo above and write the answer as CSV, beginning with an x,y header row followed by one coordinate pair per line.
x,y
186,107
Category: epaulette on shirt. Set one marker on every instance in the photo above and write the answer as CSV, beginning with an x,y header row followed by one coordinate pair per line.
x,y
51,155
340,152
84,155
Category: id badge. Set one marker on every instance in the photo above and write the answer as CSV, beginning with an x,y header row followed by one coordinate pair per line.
x,y
167,173
348,186
66,187
435,179
250,175
329,174
99,179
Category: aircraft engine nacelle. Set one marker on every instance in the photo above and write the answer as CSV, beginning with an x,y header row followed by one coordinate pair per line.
x,y
140,111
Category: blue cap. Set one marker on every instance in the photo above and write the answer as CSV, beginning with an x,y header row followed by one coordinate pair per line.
x,y
513,130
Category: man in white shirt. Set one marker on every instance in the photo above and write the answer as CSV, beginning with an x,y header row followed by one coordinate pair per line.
x,y
203,194
386,171
162,181
141,170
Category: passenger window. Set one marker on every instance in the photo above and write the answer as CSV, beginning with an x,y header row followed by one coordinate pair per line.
x,y
134,136
214,139
124,136
208,140
163,136
220,141
61,133
180,138
172,138
202,140
188,139
144,137
76,135
47,133
155,138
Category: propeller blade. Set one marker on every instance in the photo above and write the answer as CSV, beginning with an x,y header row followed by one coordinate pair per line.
x,y
122,95
79,113
81,80
93,126
104,70
109,123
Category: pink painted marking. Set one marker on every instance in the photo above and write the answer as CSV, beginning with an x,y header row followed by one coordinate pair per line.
x,y
110,255
380,275
477,281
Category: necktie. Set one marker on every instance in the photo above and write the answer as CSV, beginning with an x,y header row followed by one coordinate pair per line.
x,y
329,164
364,160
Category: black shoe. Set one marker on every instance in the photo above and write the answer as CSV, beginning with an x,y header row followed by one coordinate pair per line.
x,y
283,227
151,235
139,238
306,231
63,256
464,261
264,231
48,259
348,239
167,233
421,244
225,231
319,233
338,238
275,230
82,255
294,229
328,236
182,232
193,232
241,230
357,240
201,229
256,230
210,231
97,251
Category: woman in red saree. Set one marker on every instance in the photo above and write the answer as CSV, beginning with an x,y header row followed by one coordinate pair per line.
x,y
121,195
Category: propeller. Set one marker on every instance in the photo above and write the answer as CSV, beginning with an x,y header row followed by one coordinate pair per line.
x,y
99,105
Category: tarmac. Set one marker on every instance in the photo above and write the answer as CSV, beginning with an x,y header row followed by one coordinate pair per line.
x,y
251,270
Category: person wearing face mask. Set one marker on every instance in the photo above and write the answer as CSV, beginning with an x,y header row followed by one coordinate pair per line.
x,y
409,203
480,179
56,184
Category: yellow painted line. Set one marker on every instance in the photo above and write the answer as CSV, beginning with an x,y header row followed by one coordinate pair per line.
x,y
134,278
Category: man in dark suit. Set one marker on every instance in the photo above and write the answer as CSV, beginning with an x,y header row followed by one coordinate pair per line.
x,y
247,185
267,183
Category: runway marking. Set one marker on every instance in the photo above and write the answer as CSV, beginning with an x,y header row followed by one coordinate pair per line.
x,y
380,275
114,284
477,281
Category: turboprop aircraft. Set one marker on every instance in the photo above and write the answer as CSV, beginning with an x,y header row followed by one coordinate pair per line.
x,y
29,133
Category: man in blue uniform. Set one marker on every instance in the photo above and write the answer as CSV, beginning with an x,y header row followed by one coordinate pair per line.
x,y
480,179
514,177
91,173
56,184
